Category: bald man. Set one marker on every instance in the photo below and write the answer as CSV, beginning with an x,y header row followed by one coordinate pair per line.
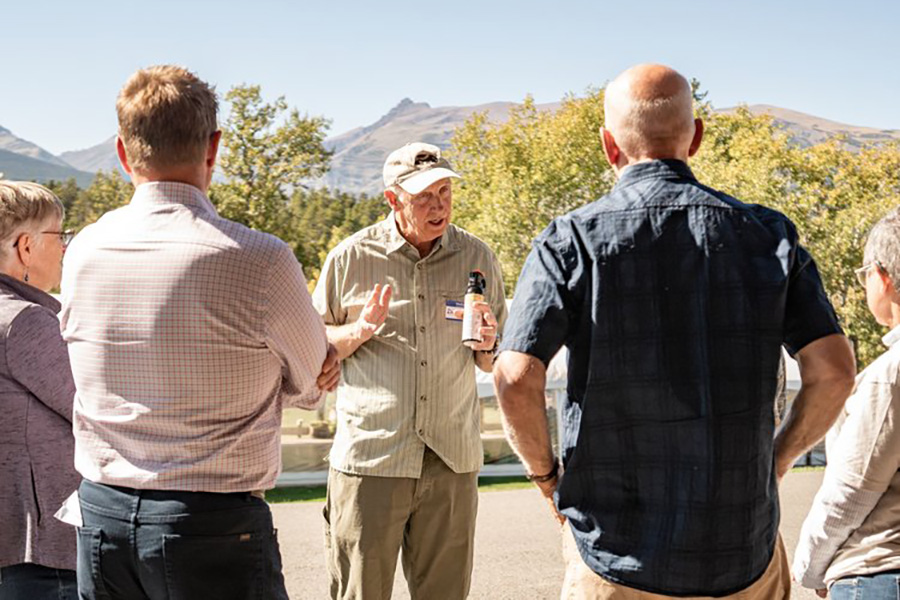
x,y
674,301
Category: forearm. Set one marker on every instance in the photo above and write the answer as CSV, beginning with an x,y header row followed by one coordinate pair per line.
x,y
827,371
346,338
520,392
812,413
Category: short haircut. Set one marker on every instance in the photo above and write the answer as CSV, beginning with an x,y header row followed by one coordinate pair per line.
x,y
25,206
883,245
166,117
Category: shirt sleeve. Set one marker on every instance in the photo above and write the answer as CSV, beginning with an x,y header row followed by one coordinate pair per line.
x,y
295,332
808,312
861,463
327,296
498,295
544,307
38,358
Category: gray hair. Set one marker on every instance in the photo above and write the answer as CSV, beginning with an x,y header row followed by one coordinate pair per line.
x,y
24,206
883,245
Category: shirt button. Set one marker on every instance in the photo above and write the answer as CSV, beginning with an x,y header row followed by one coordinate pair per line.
x,y
420,266
421,432
421,296
422,329
424,363
423,398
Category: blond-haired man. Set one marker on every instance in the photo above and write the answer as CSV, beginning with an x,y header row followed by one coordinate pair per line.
x,y
674,300
187,334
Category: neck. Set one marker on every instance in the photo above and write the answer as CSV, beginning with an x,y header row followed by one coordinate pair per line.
x,y
628,161
190,175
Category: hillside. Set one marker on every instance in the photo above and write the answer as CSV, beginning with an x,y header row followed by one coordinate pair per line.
x,y
25,168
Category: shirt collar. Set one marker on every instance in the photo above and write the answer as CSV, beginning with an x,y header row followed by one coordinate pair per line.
x,y
29,293
172,192
395,240
891,337
667,168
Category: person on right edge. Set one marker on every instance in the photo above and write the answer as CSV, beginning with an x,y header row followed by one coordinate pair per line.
x,y
674,301
850,540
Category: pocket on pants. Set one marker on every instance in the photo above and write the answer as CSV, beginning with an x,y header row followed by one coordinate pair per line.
x,y
844,589
225,567
89,572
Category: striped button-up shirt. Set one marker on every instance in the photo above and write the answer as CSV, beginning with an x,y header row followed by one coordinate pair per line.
x,y
412,384
187,333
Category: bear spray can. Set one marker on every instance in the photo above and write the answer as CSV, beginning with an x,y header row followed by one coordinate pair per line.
x,y
471,325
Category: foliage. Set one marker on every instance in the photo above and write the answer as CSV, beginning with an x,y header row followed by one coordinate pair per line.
x,y
321,218
107,192
520,174
266,150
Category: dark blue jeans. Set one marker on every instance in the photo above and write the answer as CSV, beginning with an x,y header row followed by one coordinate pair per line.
x,y
881,586
28,581
143,544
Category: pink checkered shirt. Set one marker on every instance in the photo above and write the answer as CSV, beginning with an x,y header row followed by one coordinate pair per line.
x,y
187,334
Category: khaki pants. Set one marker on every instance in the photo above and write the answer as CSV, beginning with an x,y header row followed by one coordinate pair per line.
x,y
583,584
369,519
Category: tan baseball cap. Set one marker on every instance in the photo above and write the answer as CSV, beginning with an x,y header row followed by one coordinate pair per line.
x,y
415,166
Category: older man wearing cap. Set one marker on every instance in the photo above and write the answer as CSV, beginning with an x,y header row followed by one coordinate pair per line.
x,y
407,449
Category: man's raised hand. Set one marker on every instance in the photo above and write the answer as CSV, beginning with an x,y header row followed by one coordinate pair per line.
x,y
375,311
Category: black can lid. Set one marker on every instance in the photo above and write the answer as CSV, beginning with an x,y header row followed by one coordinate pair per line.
x,y
477,282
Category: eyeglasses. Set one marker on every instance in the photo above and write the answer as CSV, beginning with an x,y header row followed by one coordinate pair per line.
x,y
65,237
862,273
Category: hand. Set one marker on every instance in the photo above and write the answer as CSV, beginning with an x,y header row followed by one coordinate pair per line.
x,y
488,327
331,371
823,593
547,489
375,311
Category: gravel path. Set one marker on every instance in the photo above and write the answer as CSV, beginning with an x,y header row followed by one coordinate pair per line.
x,y
517,545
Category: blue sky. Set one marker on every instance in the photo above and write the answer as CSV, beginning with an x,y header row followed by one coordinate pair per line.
x,y
63,62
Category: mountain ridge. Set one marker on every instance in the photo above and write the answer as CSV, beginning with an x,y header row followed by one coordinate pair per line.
x,y
359,153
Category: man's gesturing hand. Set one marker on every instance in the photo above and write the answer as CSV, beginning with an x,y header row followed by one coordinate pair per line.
x,y
375,311
331,370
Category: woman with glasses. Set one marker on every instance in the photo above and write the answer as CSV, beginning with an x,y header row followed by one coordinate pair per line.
x,y
850,542
37,552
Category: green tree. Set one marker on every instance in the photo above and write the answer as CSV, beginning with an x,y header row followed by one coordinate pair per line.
x,y
67,191
266,151
321,218
520,174
108,191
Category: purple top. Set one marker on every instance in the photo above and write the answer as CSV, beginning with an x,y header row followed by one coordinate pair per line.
x,y
36,443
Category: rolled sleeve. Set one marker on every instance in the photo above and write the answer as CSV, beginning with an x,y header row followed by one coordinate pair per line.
x,y
295,332
326,296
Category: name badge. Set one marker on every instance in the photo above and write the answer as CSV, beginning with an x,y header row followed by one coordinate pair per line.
x,y
453,310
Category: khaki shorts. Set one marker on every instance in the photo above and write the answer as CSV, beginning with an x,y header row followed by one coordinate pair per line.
x,y
581,583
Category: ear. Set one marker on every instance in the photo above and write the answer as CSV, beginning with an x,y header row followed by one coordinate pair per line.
x,y
610,148
123,158
886,283
392,199
24,248
213,150
698,137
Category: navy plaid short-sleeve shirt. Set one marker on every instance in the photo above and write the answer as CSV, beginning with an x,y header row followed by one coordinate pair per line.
x,y
674,301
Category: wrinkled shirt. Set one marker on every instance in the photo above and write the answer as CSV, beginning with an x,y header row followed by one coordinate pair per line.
x,y
187,333
674,301
853,525
412,384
